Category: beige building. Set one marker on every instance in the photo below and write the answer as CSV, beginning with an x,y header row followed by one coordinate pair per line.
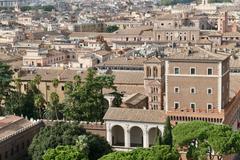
x,y
10,36
124,24
177,28
190,84
88,27
43,57
24,20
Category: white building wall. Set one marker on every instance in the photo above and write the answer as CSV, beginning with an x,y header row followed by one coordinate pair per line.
x,y
126,125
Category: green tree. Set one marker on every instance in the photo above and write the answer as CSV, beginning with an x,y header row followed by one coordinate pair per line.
x,y
223,140
158,138
55,83
111,29
64,153
117,101
98,147
15,104
77,79
68,134
185,133
39,103
85,101
82,144
37,80
90,146
53,136
158,152
167,134
25,8
54,107
203,138
18,84
48,8
5,80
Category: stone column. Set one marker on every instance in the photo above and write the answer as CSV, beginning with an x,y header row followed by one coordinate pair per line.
x,y
145,138
109,134
127,136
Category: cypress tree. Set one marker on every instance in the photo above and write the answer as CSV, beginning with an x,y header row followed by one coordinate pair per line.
x,y
167,134
158,138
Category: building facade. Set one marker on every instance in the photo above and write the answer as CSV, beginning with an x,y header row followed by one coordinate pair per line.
x,y
16,134
191,83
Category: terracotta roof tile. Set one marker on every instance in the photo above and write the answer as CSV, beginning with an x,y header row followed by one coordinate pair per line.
x,y
135,115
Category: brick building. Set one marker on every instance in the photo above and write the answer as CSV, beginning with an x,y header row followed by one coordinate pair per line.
x,y
196,82
189,84
16,135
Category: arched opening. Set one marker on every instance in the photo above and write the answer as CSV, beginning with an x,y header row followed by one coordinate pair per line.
x,y
149,72
136,137
153,134
155,72
117,136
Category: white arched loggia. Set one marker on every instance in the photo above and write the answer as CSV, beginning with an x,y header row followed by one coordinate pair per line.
x,y
136,137
117,135
153,134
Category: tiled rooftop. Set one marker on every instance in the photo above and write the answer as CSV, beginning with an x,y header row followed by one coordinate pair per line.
x,y
135,115
134,31
11,124
135,99
50,74
195,53
124,61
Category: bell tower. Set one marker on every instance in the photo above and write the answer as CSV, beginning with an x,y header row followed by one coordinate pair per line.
x,y
154,82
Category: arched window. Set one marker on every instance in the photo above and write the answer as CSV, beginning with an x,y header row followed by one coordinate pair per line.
x,y
148,72
155,72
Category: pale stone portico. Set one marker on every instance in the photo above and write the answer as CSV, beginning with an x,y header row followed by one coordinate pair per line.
x,y
129,128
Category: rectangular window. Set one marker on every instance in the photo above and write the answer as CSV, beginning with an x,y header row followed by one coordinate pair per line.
x,y
62,88
155,107
176,90
176,105
155,98
209,91
193,106
192,70
193,90
209,71
176,70
209,106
